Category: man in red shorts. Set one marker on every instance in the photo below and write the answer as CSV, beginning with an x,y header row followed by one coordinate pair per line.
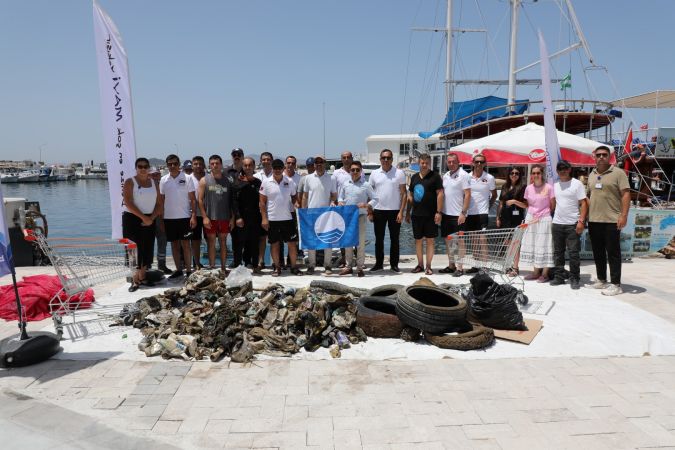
x,y
215,194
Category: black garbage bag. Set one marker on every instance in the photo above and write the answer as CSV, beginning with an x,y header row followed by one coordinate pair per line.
x,y
496,305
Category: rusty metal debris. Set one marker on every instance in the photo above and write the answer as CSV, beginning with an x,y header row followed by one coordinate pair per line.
x,y
206,319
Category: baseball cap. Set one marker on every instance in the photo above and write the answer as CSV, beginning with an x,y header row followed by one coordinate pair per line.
x,y
238,151
187,164
154,170
319,157
309,161
277,164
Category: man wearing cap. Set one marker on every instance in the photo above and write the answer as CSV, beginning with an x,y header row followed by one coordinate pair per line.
x,y
568,223
309,164
198,172
319,192
263,174
388,182
160,233
215,200
246,211
177,193
187,167
277,194
233,171
608,192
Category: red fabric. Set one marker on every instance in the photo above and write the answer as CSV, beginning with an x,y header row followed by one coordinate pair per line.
x,y
627,148
537,156
35,293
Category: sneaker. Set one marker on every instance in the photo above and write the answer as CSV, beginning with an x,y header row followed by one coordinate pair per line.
x,y
574,283
395,269
599,284
613,289
176,274
376,268
347,271
166,270
310,270
458,273
557,282
360,274
472,270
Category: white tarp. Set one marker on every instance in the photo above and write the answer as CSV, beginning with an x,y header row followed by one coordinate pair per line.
x,y
116,112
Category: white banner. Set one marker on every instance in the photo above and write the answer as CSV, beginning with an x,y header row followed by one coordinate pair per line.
x,y
551,136
116,112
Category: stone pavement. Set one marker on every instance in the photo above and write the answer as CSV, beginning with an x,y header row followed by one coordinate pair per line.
x,y
509,403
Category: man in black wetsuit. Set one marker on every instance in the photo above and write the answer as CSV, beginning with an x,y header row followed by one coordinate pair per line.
x,y
245,206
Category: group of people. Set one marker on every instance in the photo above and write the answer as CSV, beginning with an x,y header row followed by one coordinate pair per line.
x,y
257,208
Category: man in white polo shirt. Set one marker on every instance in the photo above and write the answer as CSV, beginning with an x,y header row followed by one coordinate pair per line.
x,y
457,189
319,191
388,183
277,194
571,208
177,192
343,175
483,195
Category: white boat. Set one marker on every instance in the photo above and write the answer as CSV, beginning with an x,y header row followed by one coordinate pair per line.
x,y
63,173
9,178
29,176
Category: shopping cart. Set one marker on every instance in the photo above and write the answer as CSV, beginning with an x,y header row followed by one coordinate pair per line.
x,y
493,251
83,263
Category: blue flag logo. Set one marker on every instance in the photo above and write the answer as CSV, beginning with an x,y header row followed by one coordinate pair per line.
x,y
332,227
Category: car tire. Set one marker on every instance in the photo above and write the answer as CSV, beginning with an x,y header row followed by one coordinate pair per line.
x,y
431,309
376,316
472,337
386,290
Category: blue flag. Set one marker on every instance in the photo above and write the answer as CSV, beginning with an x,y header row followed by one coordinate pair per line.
x,y
6,261
332,227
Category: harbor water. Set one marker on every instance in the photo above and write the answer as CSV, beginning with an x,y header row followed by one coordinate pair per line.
x,y
82,208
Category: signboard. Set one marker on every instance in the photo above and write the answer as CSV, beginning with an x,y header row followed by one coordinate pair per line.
x,y
647,231
665,143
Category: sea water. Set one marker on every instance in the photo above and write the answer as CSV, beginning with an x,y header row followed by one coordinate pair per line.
x,y
82,208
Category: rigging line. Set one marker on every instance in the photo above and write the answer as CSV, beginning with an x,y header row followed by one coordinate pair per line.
x,y
427,65
434,94
490,44
407,68
426,86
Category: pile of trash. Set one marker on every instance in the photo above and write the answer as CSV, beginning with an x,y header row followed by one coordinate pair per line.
x,y
211,318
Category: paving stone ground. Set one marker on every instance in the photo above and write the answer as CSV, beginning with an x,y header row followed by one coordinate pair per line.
x,y
536,403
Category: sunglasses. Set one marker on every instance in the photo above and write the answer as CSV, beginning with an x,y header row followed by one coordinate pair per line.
x,y
355,170
386,158
142,166
479,162
173,164
515,173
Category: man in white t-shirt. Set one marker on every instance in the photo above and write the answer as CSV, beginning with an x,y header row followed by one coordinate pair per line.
x,y
483,195
571,208
263,174
277,194
388,182
319,191
177,192
457,190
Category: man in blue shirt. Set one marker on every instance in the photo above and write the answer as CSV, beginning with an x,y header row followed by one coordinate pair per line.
x,y
357,192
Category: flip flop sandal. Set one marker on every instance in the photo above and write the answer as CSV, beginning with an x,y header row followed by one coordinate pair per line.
x,y
428,271
447,269
418,269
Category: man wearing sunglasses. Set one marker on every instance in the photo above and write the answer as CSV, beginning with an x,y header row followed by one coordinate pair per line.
x,y
388,183
609,200
568,223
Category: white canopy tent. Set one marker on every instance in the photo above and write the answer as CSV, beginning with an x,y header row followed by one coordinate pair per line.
x,y
525,145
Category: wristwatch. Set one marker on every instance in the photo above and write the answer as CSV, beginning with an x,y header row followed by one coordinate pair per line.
x,y
464,213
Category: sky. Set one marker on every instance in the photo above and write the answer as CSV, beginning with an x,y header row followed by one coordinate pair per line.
x,y
209,76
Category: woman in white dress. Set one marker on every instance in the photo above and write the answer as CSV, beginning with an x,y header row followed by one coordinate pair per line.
x,y
537,246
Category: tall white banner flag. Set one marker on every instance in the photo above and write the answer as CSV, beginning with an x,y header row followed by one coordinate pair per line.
x,y
550,132
116,111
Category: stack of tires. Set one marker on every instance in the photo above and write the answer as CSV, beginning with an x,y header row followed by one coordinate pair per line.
x,y
393,311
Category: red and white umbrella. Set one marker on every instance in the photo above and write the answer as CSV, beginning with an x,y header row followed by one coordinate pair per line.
x,y
526,145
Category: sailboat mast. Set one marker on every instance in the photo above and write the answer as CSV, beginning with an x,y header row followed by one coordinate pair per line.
x,y
512,52
448,60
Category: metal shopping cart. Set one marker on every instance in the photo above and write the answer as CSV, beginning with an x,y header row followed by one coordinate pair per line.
x,y
83,263
493,251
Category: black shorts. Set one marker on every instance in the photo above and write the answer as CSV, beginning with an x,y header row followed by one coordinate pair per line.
x,y
449,225
282,231
177,229
424,227
476,222
198,231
